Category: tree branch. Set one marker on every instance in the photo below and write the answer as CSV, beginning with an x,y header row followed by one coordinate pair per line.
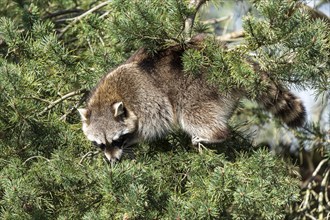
x,y
217,20
322,194
304,205
33,157
89,153
37,98
315,14
62,12
53,104
76,19
189,23
231,36
83,98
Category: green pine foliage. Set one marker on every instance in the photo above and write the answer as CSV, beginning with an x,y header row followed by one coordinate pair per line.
x,y
290,44
226,69
164,20
168,185
52,54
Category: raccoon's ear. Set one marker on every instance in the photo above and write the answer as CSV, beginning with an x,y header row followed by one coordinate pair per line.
x,y
84,114
119,109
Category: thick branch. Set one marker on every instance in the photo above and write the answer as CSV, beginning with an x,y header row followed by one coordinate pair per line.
x,y
189,23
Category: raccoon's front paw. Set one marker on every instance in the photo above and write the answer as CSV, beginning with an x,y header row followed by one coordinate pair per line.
x,y
197,143
196,140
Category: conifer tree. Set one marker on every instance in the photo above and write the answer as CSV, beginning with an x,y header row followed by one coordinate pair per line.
x,y
52,53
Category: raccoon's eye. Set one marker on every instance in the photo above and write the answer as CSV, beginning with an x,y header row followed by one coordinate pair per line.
x,y
102,146
118,142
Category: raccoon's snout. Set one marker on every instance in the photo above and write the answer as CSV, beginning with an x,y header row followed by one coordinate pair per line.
x,y
113,151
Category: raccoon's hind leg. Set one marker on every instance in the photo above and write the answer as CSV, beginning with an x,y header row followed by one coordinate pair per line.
x,y
205,124
211,138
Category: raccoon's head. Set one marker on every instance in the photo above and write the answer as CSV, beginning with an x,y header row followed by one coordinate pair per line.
x,y
112,129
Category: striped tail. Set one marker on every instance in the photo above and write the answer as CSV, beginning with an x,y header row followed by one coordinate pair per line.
x,y
284,105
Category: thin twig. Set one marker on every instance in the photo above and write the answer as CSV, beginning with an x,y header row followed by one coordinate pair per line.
x,y
230,36
319,167
324,185
326,191
83,98
105,14
53,104
63,12
310,216
33,157
76,19
62,20
89,153
37,98
304,204
217,20
320,206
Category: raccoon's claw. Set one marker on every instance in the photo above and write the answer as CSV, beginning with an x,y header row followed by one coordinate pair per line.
x,y
197,141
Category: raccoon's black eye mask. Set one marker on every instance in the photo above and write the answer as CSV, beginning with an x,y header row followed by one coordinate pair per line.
x,y
122,140
118,142
101,146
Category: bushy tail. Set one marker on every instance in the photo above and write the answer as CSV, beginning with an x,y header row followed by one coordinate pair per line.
x,y
283,104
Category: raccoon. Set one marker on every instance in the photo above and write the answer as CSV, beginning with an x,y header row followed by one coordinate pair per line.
x,y
149,95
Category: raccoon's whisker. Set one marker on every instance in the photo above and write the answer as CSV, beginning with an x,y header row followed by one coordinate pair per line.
x,y
128,150
127,147
112,163
130,155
